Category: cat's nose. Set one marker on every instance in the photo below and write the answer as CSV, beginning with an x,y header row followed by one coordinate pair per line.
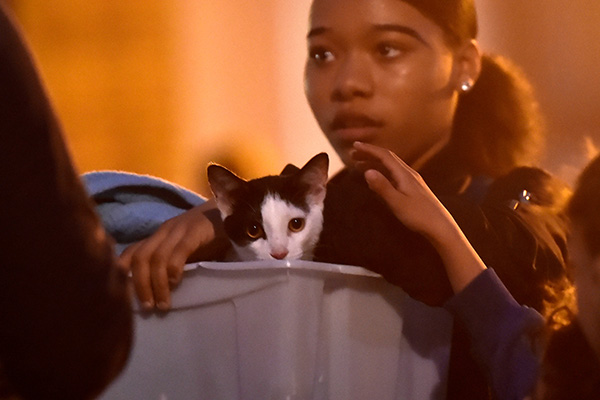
x,y
279,255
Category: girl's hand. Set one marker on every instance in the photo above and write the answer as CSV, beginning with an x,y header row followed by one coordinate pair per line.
x,y
403,190
156,263
414,204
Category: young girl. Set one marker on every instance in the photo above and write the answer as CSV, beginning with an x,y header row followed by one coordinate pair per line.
x,y
408,76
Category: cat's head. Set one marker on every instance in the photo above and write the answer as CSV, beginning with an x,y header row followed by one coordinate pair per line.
x,y
273,217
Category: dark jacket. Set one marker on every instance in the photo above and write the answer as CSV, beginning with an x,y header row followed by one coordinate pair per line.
x,y
512,222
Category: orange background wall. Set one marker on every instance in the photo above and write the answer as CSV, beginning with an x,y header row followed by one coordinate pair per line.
x,y
557,44
164,87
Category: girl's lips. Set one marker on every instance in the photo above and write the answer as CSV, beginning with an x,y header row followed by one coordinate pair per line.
x,y
354,126
355,134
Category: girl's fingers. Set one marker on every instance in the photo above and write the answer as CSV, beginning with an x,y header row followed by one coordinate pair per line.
x,y
148,263
385,161
140,271
179,256
157,262
160,286
377,182
368,157
406,194
383,188
374,165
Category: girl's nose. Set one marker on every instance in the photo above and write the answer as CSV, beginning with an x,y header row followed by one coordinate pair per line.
x,y
353,79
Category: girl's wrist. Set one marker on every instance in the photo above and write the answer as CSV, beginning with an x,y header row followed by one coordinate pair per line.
x,y
461,261
443,233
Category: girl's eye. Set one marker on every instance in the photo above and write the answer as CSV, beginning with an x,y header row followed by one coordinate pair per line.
x,y
388,50
254,231
296,224
320,55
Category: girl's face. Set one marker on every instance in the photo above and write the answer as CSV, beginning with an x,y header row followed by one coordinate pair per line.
x,y
380,72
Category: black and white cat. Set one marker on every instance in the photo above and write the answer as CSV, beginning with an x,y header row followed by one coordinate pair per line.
x,y
273,217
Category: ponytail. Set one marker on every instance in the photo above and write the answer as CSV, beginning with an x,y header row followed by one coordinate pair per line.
x,y
497,125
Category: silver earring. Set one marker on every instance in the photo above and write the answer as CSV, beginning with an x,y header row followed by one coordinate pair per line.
x,y
466,86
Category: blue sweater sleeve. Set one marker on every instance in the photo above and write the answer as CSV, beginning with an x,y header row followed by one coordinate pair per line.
x,y
506,336
132,206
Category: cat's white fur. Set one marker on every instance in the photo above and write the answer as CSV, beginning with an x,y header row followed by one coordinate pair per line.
x,y
276,214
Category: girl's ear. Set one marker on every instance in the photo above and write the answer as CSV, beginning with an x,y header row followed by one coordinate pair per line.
x,y
468,66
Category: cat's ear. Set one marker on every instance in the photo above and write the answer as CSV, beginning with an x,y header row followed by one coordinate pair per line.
x,y
289,170
314,173
223,183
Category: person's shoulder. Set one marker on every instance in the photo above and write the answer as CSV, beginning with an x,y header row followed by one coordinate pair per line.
x,y
568,346
347,182
340,178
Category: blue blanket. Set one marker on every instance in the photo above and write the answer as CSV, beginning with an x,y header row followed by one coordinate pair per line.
x,y
133,206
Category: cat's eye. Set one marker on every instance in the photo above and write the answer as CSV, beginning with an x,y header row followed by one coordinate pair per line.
x,y
296,224
254,231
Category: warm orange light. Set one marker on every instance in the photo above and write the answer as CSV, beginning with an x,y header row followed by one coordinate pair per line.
x,y
162,88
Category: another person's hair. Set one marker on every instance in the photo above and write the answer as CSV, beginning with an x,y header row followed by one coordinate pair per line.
x,y
557,379
497,125
584,204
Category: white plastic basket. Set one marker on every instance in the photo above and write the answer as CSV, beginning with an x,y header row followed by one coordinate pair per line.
x,y
287,330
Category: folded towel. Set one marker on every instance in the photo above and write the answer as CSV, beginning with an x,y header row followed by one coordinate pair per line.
x,y
133,206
